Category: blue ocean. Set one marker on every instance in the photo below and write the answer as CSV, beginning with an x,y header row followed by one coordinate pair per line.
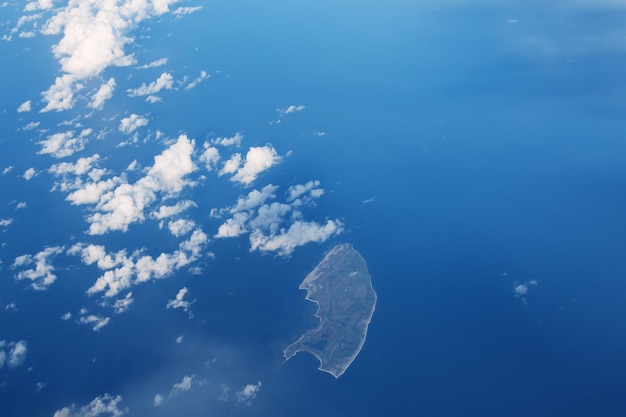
x,y
475,155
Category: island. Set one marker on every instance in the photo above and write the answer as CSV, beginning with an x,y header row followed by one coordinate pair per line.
x,y
342,288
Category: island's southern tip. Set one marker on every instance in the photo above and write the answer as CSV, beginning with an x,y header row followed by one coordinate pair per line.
x,y
342,288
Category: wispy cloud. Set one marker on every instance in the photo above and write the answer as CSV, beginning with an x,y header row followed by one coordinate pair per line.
x,y
165,81
93,38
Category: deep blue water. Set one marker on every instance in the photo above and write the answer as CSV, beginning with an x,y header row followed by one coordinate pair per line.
x,y
484,157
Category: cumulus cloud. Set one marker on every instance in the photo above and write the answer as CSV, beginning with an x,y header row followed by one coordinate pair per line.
x,y
63,144
257,160
298,234
310,189
42,274
248,392
118,208
165,81
93,37
24,107
131,123
123,270
104,405
275,226
104,93
210,157
180,302
181,227
31,125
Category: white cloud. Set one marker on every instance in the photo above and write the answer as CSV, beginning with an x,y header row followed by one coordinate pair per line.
x,y
210,156
254,199
169,211
94,35
97,322
153,99
165,81
298,234
154,64
298,191
131,123
17,354
121,270
293,109
31,126
258,159
29,173
181,227
248,392
42,275
229,141
185,385
234,226
232,165
187,10
60,95
104,93
63,144
521,290
103,405
123,304
24,107
179,340
7,170
66,316
180,302
5,222
266,221
203,76
38,5
118,208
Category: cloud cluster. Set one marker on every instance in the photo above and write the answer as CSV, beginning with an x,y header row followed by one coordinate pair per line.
x,y
96,322
277,226
41,274
63,144
103,405
93,37
12,354
123,270
118,203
